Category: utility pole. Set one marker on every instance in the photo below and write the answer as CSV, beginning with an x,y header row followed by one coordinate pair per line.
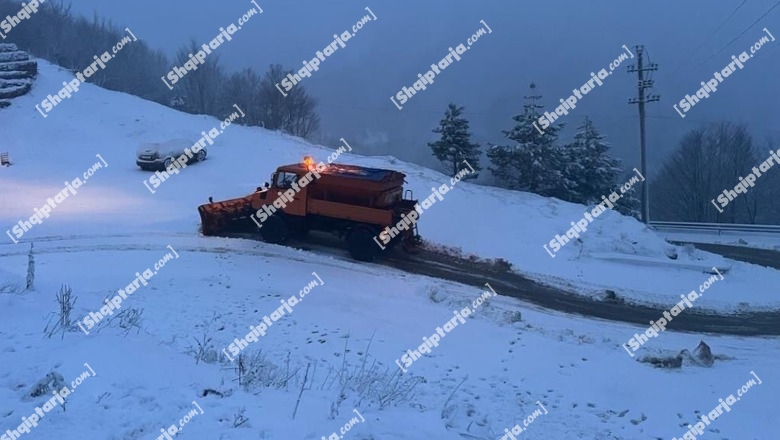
x,y
643,84
533,98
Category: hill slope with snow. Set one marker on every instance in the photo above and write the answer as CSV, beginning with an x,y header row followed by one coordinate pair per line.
x,y
331,360
484,221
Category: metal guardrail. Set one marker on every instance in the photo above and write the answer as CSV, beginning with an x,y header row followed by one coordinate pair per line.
x,y
719,227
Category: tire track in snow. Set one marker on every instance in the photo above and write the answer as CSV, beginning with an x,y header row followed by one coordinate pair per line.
x,y
433,265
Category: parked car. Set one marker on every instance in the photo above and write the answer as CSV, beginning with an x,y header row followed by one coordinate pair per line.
x,y
160,155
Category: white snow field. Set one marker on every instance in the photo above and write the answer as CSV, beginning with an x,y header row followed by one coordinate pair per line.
x,y
336,351
147,378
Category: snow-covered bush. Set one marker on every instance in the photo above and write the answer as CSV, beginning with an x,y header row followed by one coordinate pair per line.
x,y
66,302
239,418
256,370
129,319
373,385
53,381
434,293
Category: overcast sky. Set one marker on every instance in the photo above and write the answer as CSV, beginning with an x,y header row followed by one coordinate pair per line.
x,y
555,44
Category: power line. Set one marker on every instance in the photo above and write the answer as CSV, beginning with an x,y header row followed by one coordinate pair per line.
x,y
649,62
765,52
741,33
723,23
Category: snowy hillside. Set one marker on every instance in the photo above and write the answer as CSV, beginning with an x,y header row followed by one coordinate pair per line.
x,y
479,220
329,366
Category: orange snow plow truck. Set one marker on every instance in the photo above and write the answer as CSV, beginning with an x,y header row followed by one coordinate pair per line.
x,y
366,206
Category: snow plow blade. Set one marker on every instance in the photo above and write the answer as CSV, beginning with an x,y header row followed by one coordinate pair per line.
x,y
227,216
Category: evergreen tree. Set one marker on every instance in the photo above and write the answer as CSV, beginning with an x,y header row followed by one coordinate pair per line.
x,y
629,204
534,163
590,166
454,145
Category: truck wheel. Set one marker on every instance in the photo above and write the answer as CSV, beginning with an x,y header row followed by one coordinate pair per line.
x,y
361,244
275,230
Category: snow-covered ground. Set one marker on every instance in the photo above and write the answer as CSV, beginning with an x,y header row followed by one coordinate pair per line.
x,y
485,221
349,332
146,380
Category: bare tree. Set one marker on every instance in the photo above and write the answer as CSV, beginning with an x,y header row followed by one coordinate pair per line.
x,y
271,100
72,42
707,161
42,36
295,114
301,118
200,88
766,210
243,88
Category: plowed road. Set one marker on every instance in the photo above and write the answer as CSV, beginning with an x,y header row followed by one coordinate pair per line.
x,y
514,285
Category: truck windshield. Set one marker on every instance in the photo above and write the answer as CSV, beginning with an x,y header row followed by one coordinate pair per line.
x,y
285,180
